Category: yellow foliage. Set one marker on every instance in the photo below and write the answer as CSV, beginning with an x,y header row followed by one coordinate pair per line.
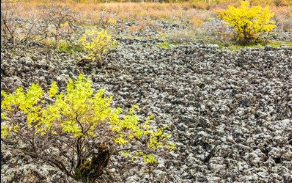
x,y
78,113
53,90
112,21
248,21
96,43
4,130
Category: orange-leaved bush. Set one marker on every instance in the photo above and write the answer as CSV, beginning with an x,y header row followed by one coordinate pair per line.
x,y
248,22
82,125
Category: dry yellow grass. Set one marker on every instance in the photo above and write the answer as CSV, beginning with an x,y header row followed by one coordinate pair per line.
x,y
119,11
283,17
115,12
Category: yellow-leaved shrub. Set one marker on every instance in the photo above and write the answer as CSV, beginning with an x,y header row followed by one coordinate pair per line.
x,y
78,122
248,22
96,43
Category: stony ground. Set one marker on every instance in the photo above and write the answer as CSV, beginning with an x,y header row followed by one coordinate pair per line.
x,y
230,114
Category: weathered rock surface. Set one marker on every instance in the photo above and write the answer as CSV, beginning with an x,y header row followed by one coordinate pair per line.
x,y
229,113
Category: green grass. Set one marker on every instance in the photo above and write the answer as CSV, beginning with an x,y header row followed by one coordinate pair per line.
x,y
277,44
69,48
274,44
115,46
166,44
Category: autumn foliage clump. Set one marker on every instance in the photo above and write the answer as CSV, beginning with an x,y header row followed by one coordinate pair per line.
x,y
248,22
80,126
96,43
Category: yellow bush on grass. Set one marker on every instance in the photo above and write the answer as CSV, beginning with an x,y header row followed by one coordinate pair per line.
x,y
248,21
78,123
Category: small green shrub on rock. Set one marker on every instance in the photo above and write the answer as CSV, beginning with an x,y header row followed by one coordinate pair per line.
x,y
249,22
77,131
66,47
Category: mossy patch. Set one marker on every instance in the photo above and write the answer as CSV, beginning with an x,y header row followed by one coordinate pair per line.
x,y
274,44
166,44
69,48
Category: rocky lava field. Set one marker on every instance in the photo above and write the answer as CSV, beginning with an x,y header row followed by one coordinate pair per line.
x,y
230,113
